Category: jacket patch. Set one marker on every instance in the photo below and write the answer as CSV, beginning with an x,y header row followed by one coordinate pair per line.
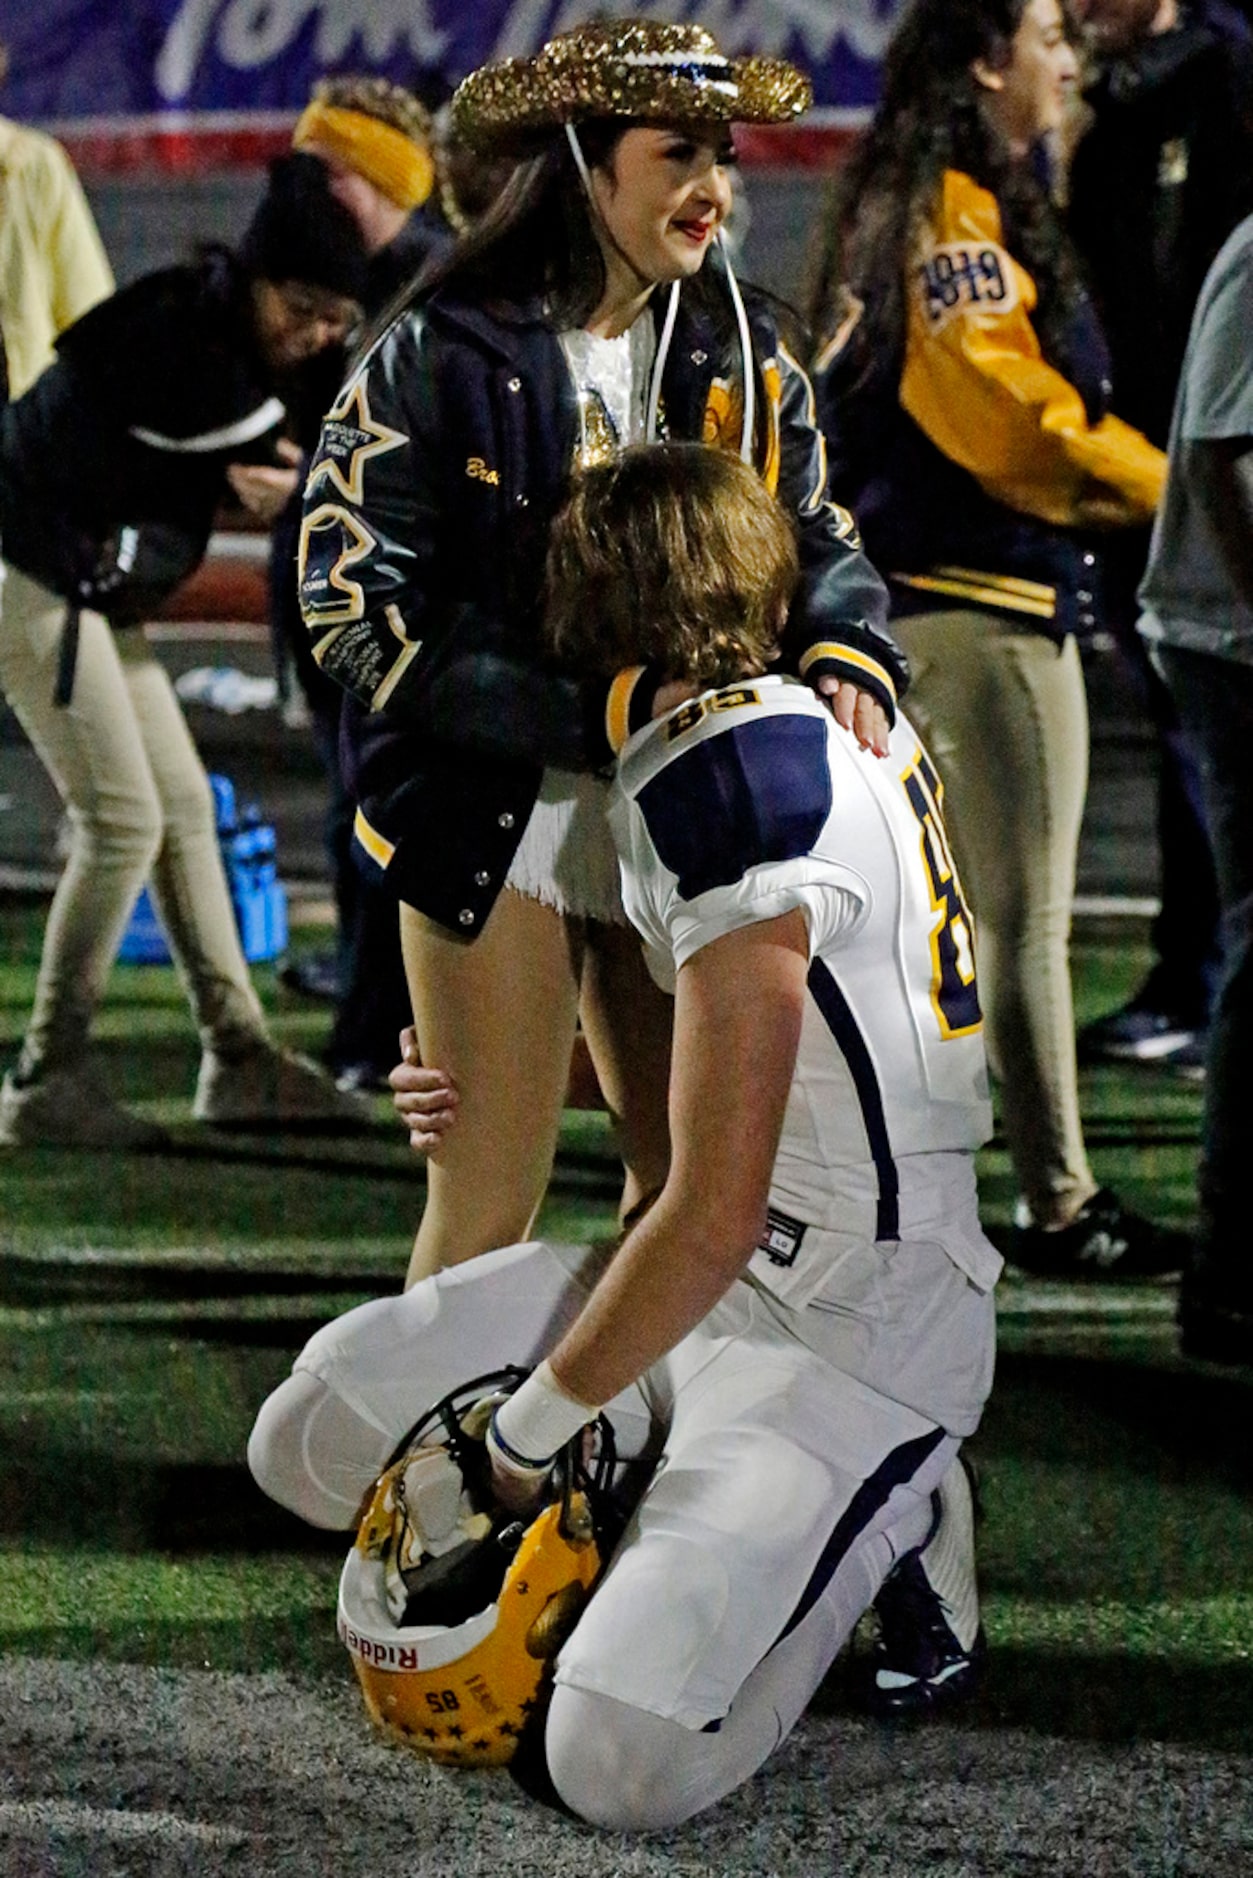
x,y
351,436
958,277
331,542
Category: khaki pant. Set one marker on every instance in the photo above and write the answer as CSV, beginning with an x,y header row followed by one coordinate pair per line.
x,y
139,804
1003,711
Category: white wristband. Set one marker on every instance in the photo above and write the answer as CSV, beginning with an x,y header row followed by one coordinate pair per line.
x,y
535,1423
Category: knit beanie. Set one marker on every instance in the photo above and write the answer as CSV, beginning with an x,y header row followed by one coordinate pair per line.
x,y
300,232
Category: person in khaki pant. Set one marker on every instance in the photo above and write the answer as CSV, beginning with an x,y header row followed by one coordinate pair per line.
x,y
155,394
964,388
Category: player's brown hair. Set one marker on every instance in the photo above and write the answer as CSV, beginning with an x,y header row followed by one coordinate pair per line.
x,y
379,98
673,555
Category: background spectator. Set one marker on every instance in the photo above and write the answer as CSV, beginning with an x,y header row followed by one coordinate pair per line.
x,y
1198,619
52,262
1159,179
375,140
111,469
965,396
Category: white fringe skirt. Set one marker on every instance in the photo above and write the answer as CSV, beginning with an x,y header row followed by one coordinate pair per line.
x,y
566,858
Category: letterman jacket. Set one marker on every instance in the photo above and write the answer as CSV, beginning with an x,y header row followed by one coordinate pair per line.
x,y
971,467
427,513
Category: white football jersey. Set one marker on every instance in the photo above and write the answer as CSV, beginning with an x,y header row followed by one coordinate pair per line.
x,y
750,801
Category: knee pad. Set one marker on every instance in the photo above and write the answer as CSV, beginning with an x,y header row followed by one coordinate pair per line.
x,y
621,1768
313,1455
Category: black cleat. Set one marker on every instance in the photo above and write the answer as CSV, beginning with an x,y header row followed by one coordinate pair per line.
x,y
930,1647
1155,1026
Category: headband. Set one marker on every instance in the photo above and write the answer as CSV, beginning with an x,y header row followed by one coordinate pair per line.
x,y
399,167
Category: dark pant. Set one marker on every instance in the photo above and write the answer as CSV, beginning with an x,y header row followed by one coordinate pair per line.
x,y
1185,935
1214,698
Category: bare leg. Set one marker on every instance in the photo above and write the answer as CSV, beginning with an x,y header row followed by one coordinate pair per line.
x,y
628,1023
499,1015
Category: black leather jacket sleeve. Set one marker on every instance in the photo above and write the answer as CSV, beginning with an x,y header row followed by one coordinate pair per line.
x,y
383,574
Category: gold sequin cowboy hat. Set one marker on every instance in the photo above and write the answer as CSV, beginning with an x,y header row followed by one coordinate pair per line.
x,y
648,69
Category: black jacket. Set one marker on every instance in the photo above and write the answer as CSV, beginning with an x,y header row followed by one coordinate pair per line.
x,y
1157,184
152,393
426,525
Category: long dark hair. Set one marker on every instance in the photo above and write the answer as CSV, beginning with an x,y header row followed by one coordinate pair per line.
x,y
537,240
931,119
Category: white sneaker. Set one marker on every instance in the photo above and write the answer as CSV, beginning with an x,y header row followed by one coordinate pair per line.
x,y
269,1087
71,1109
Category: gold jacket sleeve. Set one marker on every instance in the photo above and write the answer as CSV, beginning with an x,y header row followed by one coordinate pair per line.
x,y
975,382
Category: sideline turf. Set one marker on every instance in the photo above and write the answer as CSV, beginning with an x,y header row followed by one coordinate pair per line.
x,y
147,1305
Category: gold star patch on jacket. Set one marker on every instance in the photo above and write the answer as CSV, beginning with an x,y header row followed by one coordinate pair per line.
x,y
350,437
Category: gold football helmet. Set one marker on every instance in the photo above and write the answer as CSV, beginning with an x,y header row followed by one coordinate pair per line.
x,y
451,1607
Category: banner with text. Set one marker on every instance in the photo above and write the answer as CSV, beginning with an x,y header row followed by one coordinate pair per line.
x,y
132,75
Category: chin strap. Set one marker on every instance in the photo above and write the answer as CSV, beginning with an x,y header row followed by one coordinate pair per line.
x,y
746,354
580,162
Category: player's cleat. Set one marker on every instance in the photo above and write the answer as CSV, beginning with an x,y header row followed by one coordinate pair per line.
x,y
71,1109
1189,1061
1104,1240
267,1087
930,1646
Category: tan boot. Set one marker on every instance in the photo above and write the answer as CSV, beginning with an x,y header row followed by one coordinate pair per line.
x,y
71,1109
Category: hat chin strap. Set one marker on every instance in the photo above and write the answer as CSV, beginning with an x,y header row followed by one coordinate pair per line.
x,y
580,161
672,309
746,354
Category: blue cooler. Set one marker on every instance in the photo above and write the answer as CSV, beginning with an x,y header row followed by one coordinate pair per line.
x,y
249,857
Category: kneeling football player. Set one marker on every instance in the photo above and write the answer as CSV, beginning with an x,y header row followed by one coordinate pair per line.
x,y
802,1323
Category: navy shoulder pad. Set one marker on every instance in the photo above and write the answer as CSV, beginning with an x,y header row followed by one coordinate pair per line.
x,y
758,791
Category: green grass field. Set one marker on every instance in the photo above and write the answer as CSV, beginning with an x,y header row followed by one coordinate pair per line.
x,y
148,1304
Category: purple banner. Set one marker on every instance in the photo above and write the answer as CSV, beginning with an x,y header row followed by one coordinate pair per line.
x,y
77,60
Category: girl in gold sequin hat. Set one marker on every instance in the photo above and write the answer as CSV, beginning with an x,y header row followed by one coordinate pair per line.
x,y
589,307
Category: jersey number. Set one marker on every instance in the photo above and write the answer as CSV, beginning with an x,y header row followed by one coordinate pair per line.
x,y
690,715
954,994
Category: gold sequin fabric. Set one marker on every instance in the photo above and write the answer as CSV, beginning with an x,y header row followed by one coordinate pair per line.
x,y
653,69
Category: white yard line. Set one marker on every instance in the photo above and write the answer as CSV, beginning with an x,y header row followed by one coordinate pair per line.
x,y
61,1816
1016,1298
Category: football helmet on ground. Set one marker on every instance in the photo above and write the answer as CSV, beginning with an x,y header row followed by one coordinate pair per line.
x,y
453,1608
